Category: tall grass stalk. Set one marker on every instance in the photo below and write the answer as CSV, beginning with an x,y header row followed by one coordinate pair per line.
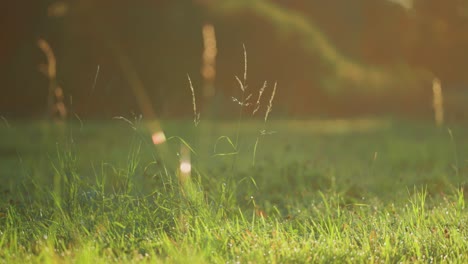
x,y
263,131
196,115
243,102
455,153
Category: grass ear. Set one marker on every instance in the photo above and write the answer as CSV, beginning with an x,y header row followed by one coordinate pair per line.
x,y
196,115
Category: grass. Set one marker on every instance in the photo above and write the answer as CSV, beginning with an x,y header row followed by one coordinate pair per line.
x,y
320,191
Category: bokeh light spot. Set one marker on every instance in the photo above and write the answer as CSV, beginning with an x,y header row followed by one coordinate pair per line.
x,y
185,167
158,138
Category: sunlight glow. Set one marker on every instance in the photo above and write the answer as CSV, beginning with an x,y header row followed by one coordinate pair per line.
x,y
185,167
158,138
210,51
438,102
58,9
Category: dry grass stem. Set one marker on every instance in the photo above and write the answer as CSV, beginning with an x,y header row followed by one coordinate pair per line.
x,y
95,78
245,64
260,93
196,115
270,104
241,84
245,102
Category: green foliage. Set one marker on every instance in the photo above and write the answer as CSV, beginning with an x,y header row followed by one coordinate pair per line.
x,y
317,193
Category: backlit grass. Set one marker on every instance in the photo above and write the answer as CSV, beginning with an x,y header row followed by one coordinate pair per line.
x,y
320,191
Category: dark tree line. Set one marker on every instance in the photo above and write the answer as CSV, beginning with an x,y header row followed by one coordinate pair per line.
x,y
320,59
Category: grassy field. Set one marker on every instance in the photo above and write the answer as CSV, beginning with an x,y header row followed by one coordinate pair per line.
x,y
313,191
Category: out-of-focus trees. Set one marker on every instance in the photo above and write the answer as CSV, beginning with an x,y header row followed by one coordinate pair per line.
x,y
442,39
322,53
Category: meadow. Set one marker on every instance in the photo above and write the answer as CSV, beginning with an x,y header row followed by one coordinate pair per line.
x,y
285,191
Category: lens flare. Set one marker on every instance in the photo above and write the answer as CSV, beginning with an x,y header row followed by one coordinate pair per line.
x,y
438,102
185,167
158,138
185,164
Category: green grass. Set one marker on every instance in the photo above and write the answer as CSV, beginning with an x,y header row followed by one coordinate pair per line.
x,y
348,191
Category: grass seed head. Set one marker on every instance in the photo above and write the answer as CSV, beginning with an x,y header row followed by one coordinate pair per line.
x,y
196,115
245,63
270,104
260,93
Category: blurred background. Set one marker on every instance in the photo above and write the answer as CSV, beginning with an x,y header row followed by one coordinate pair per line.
x,y
334,58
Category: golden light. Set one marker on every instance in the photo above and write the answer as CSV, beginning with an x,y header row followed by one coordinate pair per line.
x,y
58,9
185,167
438,102
55,101
51,62
158,138
210,51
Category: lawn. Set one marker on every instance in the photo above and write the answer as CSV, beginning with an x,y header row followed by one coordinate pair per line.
x,y
300,192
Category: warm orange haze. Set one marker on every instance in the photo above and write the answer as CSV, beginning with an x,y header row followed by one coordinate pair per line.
x,y
234,131
332,58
